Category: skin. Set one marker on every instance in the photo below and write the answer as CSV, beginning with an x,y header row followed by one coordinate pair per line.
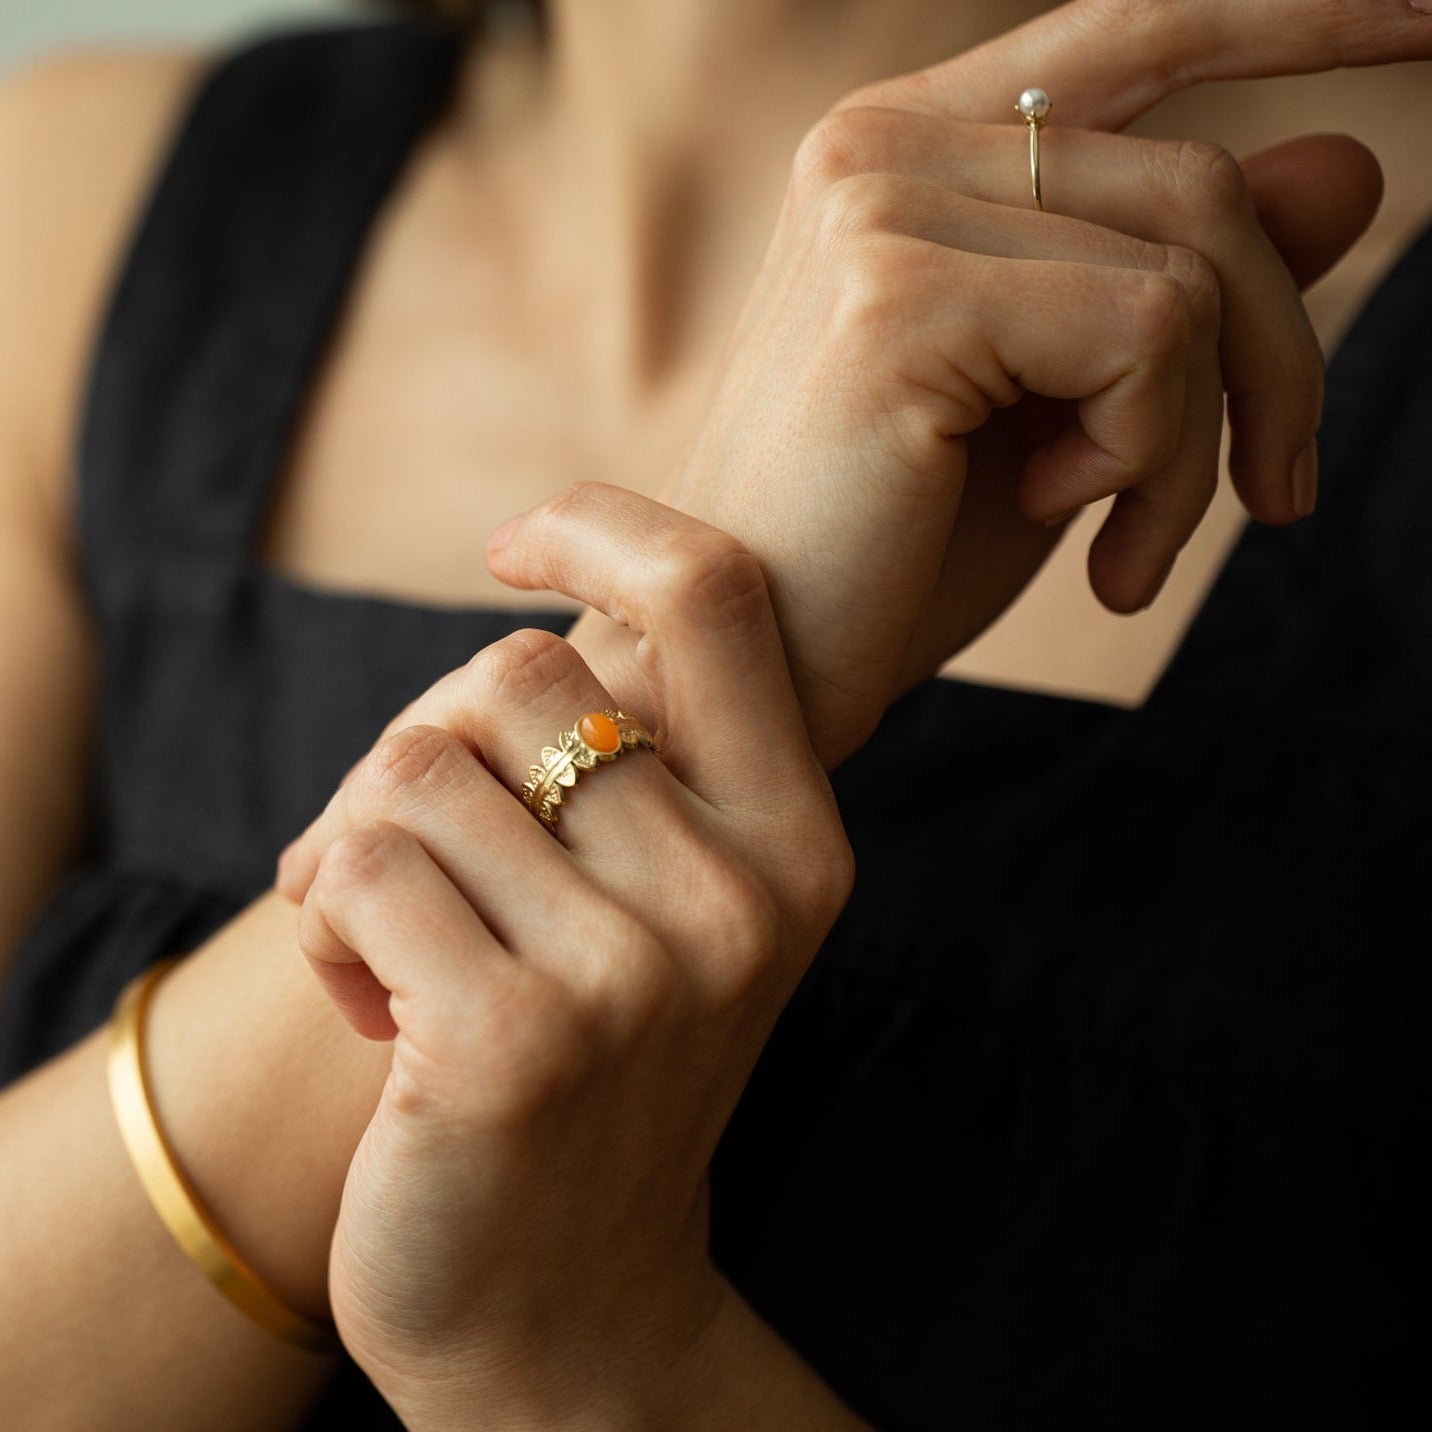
x,y
237,1135
630,423
594,1052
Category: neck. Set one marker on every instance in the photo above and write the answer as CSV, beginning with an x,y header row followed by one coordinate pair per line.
x,y
649,76
668,126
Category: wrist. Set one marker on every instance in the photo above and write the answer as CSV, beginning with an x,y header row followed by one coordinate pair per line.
x,y
729,1371
745,1375
598,1374
263,1093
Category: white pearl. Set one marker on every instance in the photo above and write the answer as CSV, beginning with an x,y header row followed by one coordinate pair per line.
x,y
1034,104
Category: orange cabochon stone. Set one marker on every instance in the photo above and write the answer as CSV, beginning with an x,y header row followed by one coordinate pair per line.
x,y
600,732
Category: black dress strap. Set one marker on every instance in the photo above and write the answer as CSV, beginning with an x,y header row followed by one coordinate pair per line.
x,y
233,700
229,292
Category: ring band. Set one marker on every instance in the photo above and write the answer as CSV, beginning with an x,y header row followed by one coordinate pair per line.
x,y
1033,107
596,738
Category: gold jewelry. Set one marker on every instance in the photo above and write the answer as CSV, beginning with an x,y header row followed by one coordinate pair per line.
x,y
599,736
1034,106
171,1193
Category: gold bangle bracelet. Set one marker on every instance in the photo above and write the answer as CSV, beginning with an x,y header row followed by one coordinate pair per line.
x,y
171,1193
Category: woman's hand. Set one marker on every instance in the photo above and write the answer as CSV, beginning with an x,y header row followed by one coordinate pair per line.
x,y
910,293
523,1231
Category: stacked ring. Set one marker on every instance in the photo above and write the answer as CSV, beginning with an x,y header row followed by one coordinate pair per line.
x,y
594,739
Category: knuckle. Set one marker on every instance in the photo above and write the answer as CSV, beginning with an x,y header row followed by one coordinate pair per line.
x,y
817,870
523,665
851,139
709,572
409,762
1209,175
540,1058
638,989
653,990
1199,280
573,501
316,935
830,150
739,920
859,205
1156,313
869,294
359,859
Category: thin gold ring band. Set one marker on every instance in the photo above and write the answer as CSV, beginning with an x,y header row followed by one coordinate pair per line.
x,y
1033,107
171,1193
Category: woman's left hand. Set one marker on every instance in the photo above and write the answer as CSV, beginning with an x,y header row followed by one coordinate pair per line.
x,y
523,1230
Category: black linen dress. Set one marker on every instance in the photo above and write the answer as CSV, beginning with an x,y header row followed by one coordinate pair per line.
x,y
1103,1105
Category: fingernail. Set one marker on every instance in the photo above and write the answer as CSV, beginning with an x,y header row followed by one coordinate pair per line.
x,y
503,535
1069,512
1425,6
1305,474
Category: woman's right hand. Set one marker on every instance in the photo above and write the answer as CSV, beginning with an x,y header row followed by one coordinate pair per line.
x,y
910,292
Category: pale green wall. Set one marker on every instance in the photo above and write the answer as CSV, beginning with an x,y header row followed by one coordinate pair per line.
x,y
32,27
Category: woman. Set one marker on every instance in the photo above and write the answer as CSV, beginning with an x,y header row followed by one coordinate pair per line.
x,y
1157,1089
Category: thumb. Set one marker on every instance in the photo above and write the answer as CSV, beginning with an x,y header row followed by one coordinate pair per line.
x,y
1315,196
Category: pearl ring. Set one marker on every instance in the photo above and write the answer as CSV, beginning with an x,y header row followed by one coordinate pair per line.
x,y
1033,107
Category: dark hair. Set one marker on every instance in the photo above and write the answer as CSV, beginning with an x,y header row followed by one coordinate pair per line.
x,y
466,14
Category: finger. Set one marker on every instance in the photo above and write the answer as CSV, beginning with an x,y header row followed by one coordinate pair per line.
x,y
1195,195
423,788
1051,484
1186,194
1133,553
699,603
1105,62
1315,197
428,780
630,824
977,331
1151,520
1272,361
458,780
396,945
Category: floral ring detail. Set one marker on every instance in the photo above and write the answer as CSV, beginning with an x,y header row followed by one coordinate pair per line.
x,y
594,739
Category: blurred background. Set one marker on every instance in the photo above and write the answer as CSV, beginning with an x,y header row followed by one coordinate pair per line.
x,y
32,27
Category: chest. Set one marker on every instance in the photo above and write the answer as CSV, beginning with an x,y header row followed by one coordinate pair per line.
x,y
452,396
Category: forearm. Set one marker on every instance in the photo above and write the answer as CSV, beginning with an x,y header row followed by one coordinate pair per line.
x,y
264,1093
46,695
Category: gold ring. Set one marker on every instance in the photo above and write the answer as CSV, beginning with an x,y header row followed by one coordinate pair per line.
x,y
1033,107
595,738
